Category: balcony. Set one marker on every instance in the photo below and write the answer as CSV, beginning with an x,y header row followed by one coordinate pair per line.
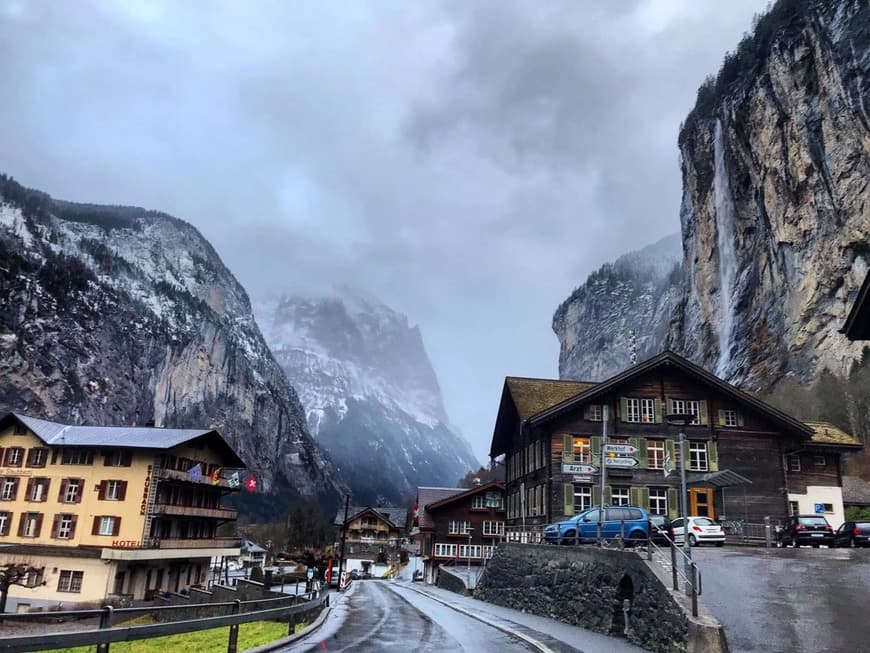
x,y
199,543
184,477
193,511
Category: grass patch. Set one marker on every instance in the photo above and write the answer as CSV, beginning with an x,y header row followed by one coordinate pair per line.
x,y
213,640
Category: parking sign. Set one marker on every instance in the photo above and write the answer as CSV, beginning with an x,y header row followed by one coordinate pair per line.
x,y
819,508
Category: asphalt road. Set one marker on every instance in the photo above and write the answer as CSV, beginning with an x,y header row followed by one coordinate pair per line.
x,y
375,618
789,600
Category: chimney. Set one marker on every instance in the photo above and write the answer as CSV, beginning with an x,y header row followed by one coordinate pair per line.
x,y
477,482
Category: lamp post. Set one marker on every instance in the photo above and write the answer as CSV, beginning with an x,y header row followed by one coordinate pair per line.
x,y
468,556
682,420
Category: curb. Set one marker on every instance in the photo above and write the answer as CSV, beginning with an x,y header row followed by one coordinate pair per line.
x,y
284,641
531,641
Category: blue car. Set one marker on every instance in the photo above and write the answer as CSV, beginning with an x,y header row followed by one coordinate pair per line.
x,y
584,526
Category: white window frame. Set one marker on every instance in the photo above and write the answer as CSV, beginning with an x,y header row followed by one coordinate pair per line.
x,y
582,497
77,457
37,491
819,460
8,489
15,456
72,491
493,528
632,410
445,550
466,527
37,457
596,414
70,581
478,502
107,525
658,501
494,500
730,418
687,407
31,519
488,551
655,454
585,449
5,519
647,411
620,495
64,526
453,527
113,490
794,462
698,456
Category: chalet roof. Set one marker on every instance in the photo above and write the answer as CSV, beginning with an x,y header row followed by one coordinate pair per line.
x,y
531,396
669,358
134,437
857,326
430,495
397,517
856,491
464,494
827,433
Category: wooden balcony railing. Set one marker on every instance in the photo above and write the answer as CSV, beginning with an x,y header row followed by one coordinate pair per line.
x,y
194,511
199,543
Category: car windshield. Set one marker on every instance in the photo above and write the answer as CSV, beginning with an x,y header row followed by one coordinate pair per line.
x,y
813,521
863,526
704,521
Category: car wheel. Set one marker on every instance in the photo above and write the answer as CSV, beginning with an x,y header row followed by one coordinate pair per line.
x,y
692,541
637,539
568,538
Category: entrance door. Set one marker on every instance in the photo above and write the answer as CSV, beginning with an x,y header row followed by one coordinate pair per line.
x,y
701,501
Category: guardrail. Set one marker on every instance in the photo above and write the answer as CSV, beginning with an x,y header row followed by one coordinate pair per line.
x,y
234,614
691,574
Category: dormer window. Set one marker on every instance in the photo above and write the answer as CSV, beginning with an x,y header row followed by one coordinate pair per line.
x,y
594,413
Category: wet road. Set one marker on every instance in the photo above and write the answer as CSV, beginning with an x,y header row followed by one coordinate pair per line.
x,y
789,600
374,617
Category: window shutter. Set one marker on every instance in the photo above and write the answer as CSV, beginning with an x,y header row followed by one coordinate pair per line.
x,y
671,452
54,457
644,498
673,503
739,418
62,493
712,456
623,409
47,488
669,406
55,526
72,526
102,495
116,528
634,493
38,529
5,456
568,450
126,458
586,411
596,495
28,493
640,454
15,489
658,408
2,453
122,491
595,449
96,529
21,522
568,499
721,417
107,458
81,490
687,459
702,412
608,495
29,458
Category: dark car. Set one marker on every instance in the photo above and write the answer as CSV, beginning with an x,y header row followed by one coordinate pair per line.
x,y
853,533
807,530
660,531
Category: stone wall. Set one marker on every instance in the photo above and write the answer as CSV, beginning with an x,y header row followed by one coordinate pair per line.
x,y
450,581
584,586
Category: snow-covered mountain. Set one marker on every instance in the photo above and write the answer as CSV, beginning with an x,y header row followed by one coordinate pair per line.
x,y
118,316
369,391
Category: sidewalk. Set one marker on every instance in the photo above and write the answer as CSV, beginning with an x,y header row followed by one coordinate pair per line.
x,y
553,635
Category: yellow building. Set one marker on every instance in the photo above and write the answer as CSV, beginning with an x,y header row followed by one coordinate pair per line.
x,y
111,512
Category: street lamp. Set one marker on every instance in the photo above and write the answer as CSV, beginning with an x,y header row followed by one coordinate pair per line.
x,y
682,420
468,556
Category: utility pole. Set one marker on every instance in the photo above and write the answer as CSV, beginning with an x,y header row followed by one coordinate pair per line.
x,y
601,462
343,539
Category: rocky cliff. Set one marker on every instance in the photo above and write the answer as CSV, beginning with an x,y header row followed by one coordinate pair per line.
x,y
118,315
775,214
370,394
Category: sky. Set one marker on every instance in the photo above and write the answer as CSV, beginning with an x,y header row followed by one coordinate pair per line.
x,y
468,162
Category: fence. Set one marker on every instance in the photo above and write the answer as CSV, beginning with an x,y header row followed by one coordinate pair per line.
x,y
293,608
741,532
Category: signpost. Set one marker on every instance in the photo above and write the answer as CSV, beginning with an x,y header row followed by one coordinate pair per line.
x,y
621,462
625,449
576,468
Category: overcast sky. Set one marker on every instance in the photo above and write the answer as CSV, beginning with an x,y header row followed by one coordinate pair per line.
x,y
468,162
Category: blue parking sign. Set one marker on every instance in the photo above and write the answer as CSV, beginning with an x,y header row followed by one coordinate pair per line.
x,y
819,508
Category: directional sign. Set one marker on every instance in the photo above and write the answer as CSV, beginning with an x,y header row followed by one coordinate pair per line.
x,y
621,462
576,468
619,448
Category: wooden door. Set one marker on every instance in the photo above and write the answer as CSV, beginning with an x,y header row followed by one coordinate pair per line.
x,y
701,501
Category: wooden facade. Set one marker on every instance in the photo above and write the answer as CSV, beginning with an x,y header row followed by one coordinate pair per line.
x,y
737,449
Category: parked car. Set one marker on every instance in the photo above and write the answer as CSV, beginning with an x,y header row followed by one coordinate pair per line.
x,y
812,530
584,526
418,575
355,574
853,534
660,531
702,530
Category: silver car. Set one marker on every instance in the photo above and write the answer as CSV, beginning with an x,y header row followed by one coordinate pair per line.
x,y
701,530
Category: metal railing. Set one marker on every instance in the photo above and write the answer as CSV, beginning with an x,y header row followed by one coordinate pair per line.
x,y
691,574
737,530
233,613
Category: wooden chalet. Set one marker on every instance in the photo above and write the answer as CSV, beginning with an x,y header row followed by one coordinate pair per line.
x,y
744,458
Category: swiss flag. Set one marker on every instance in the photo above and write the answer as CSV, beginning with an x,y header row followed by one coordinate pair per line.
x,y
251,484
416,513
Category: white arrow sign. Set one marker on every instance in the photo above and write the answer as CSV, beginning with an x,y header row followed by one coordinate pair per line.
x,y
619,448
576,468
621,462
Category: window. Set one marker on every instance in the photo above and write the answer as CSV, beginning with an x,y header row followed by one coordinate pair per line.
x,y
478,501
620,496
469,551
793,508
119,458
14,456
640,410
594,413
445,550
19,429
115,491
37,457
494,500
687,407
655,454
582,452
698,456
70,581
34,577
10,489
77,457
794,463
829,507
582,497
488,551
65,527
73,488
5,519
729,418
458,527
658,501
106,525
493,528
38,489
819,460
31,522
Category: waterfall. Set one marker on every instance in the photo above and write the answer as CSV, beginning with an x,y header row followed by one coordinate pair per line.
x,y
725,238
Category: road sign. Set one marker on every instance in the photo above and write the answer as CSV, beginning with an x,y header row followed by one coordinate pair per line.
x,y
619,448
621,462
576,468
819,508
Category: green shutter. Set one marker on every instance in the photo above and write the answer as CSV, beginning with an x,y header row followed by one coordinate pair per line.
x,y
640,454
673,503
595,449
712,456
686,457
568,450
596,495
644,498
739,418
668,405
671,452
658,408
623,409
635,495
702,409
721,417
608,495
568,499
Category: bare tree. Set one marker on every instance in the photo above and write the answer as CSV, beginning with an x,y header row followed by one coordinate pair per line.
x,y
16,573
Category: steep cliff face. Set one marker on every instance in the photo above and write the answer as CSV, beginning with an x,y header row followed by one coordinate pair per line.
x,y
117,315
776,203
370,394
620,314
